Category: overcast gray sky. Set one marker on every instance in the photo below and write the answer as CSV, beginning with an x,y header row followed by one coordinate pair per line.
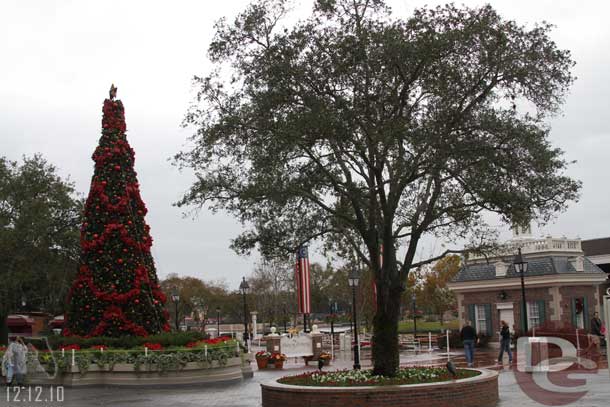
x,y
60,57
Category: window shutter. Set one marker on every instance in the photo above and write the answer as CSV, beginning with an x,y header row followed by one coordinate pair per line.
x,y
472,316
573,303
488,327
542,311
585,314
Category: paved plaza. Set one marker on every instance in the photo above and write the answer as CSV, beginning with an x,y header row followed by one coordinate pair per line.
x,y
247,392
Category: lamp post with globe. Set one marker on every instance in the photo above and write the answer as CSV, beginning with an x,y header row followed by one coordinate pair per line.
x,y
218,321
244,287
353,280
521,268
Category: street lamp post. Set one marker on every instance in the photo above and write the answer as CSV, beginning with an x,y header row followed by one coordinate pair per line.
x,y
176,300
285,318
521,267
331,307
205,316
353,280
414,299
217,321
244,288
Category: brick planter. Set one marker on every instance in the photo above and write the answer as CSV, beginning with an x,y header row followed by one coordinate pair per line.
x,y
479,391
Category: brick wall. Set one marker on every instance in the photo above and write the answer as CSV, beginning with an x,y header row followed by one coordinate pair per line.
x,y
564,314
513,296
481,392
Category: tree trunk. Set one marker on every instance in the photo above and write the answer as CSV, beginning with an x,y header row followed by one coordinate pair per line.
x,y
386,356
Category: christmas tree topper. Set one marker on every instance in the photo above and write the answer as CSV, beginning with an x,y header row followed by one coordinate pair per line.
x,y
112,92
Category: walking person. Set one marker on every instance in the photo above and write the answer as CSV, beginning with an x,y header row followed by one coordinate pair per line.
x,y
19,356
505,343
597,328
7,364
469,338
595,335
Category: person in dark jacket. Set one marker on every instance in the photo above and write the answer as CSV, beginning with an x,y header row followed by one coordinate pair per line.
x,y
469,338
505,342
596,334
596,325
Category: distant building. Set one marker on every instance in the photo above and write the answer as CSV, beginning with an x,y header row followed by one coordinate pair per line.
x,y
562,284
27,323
598,251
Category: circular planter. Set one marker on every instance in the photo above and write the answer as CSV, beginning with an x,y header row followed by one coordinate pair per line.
x,y
479,391
124,374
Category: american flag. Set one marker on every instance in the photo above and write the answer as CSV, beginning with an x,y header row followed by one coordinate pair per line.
x,y
303,278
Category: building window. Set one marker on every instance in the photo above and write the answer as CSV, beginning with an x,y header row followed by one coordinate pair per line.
x,y
533,314
579,310
481,320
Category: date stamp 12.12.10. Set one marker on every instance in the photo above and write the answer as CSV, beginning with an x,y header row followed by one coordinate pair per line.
x,y
34,395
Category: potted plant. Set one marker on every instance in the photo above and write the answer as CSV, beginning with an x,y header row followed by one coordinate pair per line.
x,y
262,359
325,358
277,359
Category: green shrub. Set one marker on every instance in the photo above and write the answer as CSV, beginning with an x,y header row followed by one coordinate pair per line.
x,y
168,339
455,340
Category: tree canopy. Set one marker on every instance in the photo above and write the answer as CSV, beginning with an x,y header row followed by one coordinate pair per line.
x,y
435,293
355,126
39,236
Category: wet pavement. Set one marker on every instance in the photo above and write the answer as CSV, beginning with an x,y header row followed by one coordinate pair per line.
x,y
515,389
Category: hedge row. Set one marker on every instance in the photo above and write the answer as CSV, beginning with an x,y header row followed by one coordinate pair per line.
x,y
126,342
455,340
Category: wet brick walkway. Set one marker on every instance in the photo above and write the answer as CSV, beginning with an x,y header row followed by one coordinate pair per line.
x,y
247,392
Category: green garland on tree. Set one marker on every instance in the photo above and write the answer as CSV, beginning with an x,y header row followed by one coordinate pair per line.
x,y
116,291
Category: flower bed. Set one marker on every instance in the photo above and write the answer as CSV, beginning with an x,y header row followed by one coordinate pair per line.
x,y
347,378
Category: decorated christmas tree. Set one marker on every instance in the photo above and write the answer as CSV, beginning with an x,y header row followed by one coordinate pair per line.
x,y
116,291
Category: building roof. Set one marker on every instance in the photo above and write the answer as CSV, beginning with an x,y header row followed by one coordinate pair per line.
x,y
596,247
19,320
538,266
